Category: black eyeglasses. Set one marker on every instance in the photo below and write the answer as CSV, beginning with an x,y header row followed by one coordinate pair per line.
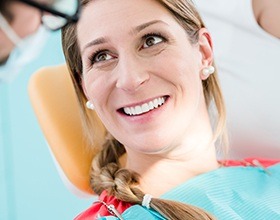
x,y
57,13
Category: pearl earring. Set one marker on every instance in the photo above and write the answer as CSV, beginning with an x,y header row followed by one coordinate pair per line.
x,y
208,70
90,105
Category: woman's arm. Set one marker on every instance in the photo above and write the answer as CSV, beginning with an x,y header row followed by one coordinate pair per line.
x,y
267,13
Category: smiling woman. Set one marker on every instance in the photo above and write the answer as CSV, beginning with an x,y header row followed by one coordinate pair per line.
x,y
147,68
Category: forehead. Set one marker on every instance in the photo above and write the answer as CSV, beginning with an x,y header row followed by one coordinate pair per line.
x,y
104,17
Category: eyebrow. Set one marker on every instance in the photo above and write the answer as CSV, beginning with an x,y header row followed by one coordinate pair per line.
x,y
101,40
137,29
145,25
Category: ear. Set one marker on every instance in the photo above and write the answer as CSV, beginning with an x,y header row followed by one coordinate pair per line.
x,y
206,50
84,87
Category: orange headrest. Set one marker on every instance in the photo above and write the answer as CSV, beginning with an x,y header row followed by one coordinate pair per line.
x,y
56,107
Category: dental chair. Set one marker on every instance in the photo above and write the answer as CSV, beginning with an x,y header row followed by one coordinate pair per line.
x,y
55,104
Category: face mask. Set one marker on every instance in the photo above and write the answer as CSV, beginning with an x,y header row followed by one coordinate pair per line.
x,y
25,51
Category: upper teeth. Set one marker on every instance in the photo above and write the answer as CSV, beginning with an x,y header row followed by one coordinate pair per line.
x,y
140,109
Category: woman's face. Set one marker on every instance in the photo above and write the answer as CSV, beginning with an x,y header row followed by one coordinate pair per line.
x,y
141,73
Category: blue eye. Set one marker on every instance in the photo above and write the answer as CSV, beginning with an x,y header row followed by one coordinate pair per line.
x,y
152,40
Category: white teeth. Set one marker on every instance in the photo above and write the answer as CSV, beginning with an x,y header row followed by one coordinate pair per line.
x,y
140,109
156,102
151,105
145,107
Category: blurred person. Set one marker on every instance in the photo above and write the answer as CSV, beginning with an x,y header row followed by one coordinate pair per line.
x,y
22,36
26,167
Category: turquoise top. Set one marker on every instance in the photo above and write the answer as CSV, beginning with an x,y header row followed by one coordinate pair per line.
x,y
228,193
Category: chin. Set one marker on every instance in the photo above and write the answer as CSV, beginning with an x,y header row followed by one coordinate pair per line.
x,y
149,147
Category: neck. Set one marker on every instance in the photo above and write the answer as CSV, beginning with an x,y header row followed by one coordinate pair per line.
x,y
161,173
189,154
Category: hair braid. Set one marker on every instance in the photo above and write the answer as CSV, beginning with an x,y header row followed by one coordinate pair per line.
x,y
123,184
107,174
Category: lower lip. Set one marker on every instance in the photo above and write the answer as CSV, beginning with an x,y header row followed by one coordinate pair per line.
x,y
146,117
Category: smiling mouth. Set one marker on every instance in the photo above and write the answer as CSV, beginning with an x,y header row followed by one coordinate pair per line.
x,y
144,108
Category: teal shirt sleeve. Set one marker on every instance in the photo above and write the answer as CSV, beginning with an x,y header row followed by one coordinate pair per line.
x,y
232,193
139,212
136,212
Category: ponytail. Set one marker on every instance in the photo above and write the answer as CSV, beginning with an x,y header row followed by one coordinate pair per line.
x,y
123,184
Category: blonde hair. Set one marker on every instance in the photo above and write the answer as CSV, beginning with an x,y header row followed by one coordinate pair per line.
x,y
107,173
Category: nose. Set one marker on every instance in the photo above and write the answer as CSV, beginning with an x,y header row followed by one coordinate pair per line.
x,y
132,74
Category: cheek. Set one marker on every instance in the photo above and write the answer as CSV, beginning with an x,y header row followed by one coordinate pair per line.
x,y
97,87
94,86
179,66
